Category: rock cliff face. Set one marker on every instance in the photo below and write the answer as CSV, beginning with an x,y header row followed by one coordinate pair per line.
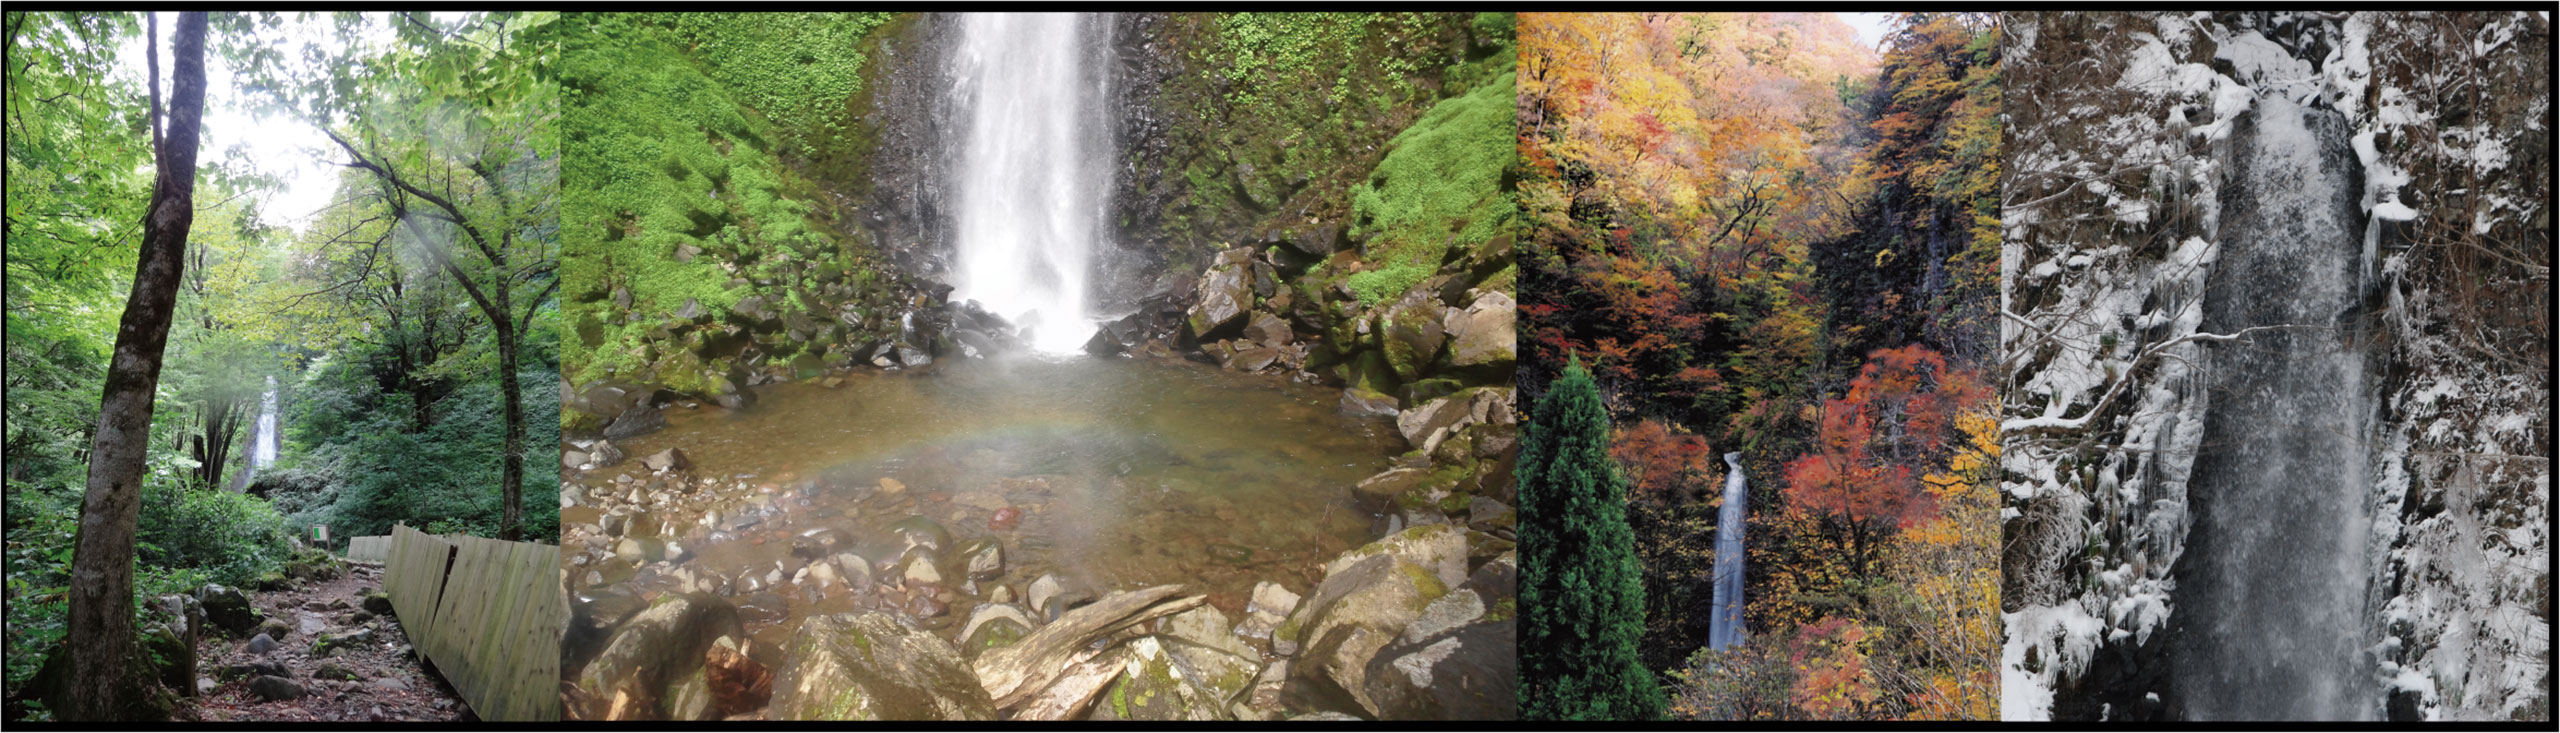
x,y
2132,203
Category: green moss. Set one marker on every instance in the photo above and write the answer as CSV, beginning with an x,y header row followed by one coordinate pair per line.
x,y
1424,582
1503,609
1441,182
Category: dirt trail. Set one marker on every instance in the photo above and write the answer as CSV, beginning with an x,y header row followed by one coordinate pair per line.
x,y
388,681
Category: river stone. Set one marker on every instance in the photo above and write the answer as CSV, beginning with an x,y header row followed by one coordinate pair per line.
x,y
993,625
228,608
1483,334
918,531
856,572
272,688
920,572
1359,609
868,667
671,459
1153,687
985,558
657,647
1469,673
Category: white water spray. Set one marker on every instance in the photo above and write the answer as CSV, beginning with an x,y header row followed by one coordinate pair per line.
x,y
1033,174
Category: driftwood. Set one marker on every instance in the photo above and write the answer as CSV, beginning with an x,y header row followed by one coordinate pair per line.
x,y
1012,674
1076,688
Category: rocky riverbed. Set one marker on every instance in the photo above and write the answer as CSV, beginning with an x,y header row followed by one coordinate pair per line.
x,y
1030,539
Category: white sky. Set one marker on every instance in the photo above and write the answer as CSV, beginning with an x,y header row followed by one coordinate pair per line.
x,y
283,147
1870,27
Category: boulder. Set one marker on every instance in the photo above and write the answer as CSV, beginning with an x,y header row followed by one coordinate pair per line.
x,y
1440,548
378,603
603,453
1360,609
1411,333
869,667
1268,330
656,648
229,609
272,688
1450,413
1483,335
641,418
1207,627
261,644
1225,295
1466,673
1076,686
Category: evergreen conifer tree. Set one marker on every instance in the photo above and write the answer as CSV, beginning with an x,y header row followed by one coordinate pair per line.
x,y
1581,591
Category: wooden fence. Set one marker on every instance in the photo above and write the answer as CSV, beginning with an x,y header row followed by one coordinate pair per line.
x,y
376,548
488,613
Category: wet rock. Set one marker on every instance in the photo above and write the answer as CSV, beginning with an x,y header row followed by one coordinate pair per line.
x,y
1469,673
820,542
655,648
918,532
1231,554
892,487
689,697
920,572
1005,519
984,558
763,606
868,667
856,572
1357,402
994,625
229,609
1419,424
1483,335
271,688
671,459
1153,687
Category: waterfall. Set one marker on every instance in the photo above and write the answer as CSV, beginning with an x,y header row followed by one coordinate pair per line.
x,y
2273,582
1725,628
262,440
1033,175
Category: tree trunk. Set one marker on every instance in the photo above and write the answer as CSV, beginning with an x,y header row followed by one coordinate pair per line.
x,y
100,638
511,474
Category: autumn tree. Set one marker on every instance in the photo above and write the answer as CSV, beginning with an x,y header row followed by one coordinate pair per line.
x,y
105,683
1581,597
1896,419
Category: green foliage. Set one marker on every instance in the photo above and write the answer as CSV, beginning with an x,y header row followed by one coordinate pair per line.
x,y
354,461
1440,183
1581,593
799,69
669,171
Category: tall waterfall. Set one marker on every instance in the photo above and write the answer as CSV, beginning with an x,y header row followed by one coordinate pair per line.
x,y
2273,580
1725,627
1033,175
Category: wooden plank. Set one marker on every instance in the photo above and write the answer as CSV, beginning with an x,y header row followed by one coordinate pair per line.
x,y
376,548
414,576
499,626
